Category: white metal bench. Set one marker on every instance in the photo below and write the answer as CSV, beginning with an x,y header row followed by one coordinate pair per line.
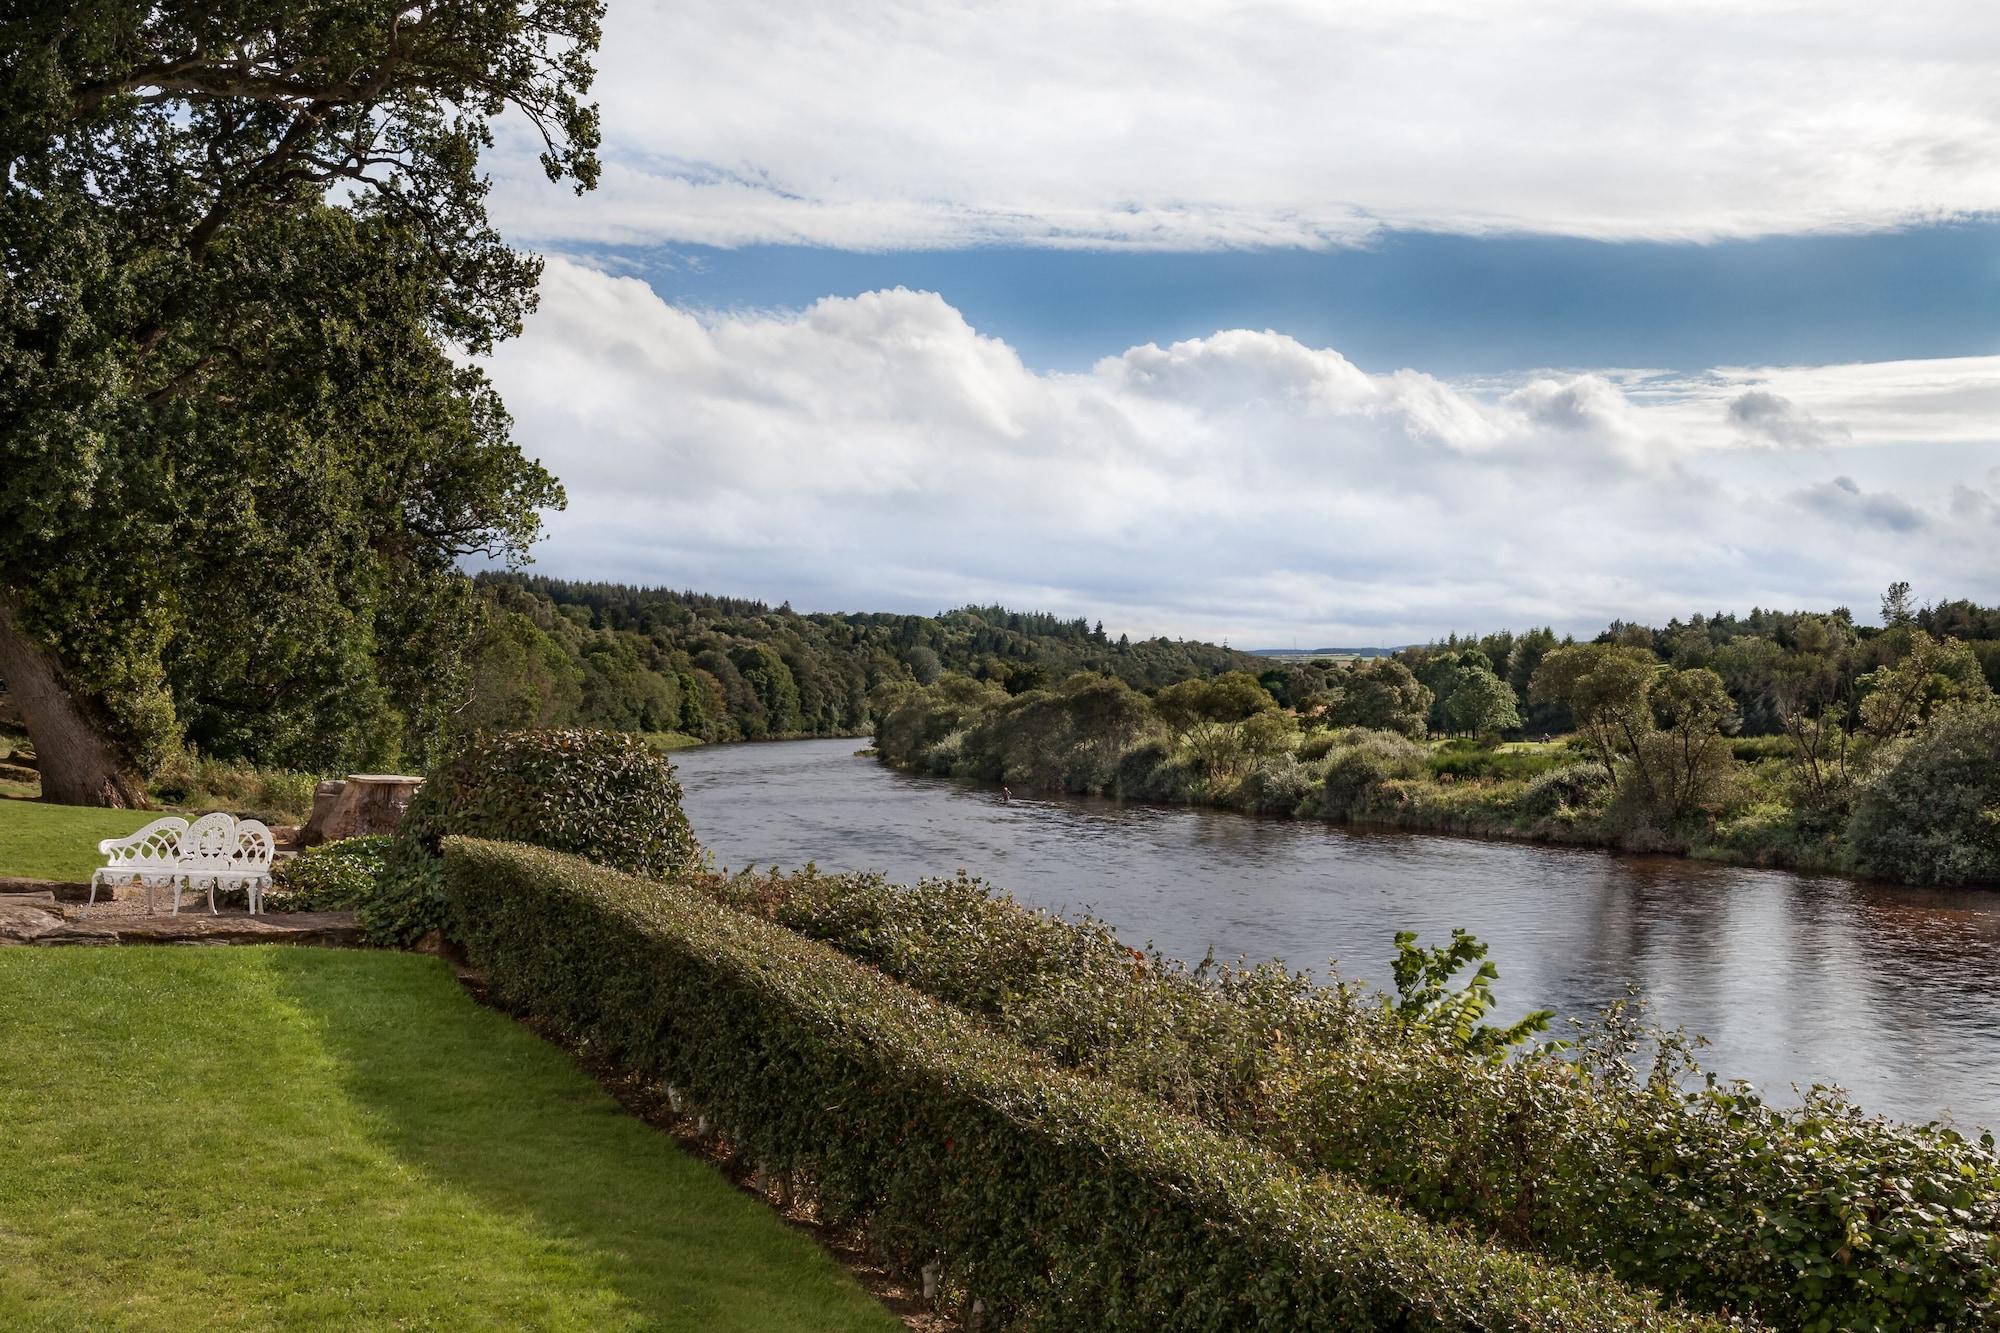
x,y
216,851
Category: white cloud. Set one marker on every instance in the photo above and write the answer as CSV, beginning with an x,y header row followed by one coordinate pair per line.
x,y
877,452
1772,417
936,123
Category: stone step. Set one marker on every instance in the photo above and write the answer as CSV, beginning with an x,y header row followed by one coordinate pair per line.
x,y
46,925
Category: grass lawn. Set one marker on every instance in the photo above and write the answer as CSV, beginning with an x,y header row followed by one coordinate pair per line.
x,y
60,841
298,1138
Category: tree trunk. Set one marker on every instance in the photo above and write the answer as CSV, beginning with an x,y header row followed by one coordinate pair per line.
x,y
80,764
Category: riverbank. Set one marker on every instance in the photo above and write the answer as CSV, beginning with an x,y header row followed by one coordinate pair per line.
x,y
1492,809
1916,808
1794,978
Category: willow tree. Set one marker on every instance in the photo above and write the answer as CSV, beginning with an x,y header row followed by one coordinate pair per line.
x,y
246,256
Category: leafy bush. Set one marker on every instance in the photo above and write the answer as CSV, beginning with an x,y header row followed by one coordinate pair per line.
x,y
606,796
1150,772
1274,786
1711,1194
1316,745
334,877
1931,811
195,782
1572,787
1057,1201
1360,763
1464,760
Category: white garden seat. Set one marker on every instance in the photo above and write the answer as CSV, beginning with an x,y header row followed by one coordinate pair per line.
x,y
216,851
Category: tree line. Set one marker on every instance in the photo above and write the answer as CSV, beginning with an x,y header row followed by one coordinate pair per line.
x,y
1797,739
555,653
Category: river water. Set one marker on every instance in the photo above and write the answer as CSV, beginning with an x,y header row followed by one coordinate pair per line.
x,y
1892,993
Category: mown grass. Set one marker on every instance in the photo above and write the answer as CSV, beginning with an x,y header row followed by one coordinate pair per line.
x,y
39,841
289,1138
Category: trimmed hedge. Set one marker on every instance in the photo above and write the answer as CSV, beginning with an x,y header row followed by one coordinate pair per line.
x,y
1814,1216
1057,1201
605,795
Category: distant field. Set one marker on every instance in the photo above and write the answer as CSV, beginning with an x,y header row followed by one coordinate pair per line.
x,y
302,1138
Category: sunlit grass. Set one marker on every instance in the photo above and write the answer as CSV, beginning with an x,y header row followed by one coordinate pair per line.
x,y
292,1138
39,841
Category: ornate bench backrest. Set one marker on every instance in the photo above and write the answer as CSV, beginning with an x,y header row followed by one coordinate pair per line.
x,y
254,845
156,846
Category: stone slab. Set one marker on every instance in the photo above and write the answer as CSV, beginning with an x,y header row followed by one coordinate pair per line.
x,y
320,929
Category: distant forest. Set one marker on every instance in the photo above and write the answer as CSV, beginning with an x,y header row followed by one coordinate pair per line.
x,y
553,652
556,653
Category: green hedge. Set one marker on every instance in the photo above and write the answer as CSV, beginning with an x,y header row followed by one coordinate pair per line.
x,y
1056,1201
604,795
1809,1216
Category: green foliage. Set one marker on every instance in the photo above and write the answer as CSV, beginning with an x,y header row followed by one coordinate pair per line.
x,y
333,877
1931,812
198,782
605,796
1360,763
1382,695
1604,686
718,668
1277,785
1054,1200
247,250
1426,1003
1463,759
1481,704
1572,787
1929,675
1596,1150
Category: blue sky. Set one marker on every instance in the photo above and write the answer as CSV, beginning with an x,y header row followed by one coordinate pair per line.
x,y
1360,323
1452,304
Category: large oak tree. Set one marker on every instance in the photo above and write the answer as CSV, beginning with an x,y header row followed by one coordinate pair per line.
x,y
246,256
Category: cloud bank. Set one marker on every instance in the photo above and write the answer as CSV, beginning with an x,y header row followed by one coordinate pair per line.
x,y
936,123
877,452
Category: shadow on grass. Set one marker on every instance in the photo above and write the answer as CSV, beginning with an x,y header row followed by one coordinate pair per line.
x,y
477,1105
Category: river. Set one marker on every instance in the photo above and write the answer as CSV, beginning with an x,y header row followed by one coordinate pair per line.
x,y
1892,993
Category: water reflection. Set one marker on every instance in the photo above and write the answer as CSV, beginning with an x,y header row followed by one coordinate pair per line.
x,y
1794,979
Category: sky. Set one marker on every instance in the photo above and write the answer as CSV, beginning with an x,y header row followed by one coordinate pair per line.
x,y
1276,323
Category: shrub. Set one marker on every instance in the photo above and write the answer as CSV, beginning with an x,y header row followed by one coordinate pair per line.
x,y
1150,772
1573,787
195,782
1930,812
1274,786
1711,1194
1476,760
605,796
1058,1201
1316,745
1360,763
335,877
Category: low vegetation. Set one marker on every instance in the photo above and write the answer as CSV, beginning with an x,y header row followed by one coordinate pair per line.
x,y
1608,1150
294,1138
606,796
1049,1199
